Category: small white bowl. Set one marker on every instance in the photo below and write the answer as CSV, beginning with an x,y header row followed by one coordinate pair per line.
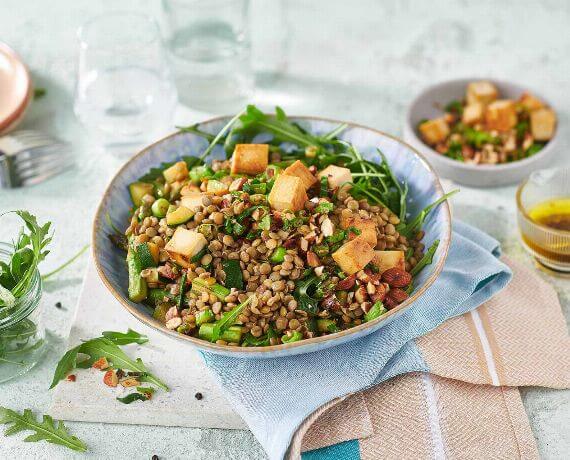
x,y
429,103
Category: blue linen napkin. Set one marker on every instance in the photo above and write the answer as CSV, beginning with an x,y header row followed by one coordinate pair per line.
x,y
274,396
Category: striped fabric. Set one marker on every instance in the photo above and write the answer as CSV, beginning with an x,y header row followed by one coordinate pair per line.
x,y
468,405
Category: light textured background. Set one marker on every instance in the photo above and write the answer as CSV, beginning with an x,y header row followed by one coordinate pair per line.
x,y
361,61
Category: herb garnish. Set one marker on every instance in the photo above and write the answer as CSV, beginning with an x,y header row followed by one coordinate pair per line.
x,y
54,432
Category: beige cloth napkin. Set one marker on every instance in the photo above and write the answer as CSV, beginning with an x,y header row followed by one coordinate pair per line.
x,y
469,405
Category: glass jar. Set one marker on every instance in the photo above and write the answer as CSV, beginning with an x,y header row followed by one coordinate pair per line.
x,y
22,333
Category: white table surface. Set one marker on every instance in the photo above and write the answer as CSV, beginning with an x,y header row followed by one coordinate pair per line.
x,y
364,64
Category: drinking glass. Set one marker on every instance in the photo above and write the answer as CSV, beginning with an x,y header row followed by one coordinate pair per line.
x,y
209,46
125,91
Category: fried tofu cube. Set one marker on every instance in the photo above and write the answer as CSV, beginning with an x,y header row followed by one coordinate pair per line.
x,y
383,260
186,243
530,102
367,228
542,124
501,115
353,256
192,201
288,194
299,170
250,159
483,92
177,172
336,175
434,131
473,113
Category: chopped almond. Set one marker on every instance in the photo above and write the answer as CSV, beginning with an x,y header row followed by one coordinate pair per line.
x,y
110,378
101,363
129,382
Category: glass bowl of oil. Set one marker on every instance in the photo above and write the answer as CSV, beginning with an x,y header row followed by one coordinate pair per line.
x,y
543,202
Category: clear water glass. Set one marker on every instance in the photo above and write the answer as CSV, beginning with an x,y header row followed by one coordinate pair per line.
x,y
209,47
125,90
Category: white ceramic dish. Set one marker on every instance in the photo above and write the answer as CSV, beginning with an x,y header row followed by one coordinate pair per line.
x,y
428,105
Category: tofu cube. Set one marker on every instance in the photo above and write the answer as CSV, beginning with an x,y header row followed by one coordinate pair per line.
x,y
177,172
288,194
192,201
186,243
336,175
250,159
353,256
542,124
367,228
434,131
501,115
473,113
299,170
481,91
530,102
383,260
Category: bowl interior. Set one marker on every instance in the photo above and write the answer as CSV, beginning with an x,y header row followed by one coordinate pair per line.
x,y
430,103
424,188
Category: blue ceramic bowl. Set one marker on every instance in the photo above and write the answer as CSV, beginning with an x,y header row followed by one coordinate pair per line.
x,y
424,188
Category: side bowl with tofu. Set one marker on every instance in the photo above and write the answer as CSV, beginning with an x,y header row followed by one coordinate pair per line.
x,y
293,187
507,130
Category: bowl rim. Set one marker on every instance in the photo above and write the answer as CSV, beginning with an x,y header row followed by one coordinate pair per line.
x,y
429,151
8,123
445,242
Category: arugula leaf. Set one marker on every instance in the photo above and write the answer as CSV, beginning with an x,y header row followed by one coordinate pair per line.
x,y
454,107
455,151
305,294
132,397
416,224
46,430
426,259
102,347
234,275
29,251
228,319
124,338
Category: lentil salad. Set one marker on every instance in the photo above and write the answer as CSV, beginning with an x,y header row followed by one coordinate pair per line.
x,y
283,241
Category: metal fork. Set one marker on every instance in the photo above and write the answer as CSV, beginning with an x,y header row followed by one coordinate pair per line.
x,y
29,157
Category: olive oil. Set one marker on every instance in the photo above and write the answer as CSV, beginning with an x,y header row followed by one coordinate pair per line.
x,y
554,214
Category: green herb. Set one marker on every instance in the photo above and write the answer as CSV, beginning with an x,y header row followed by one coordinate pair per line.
x,y
39,93
426,259
125,338
533,149
264,341
324,207
29,251
228,319
320,250
306,294
354,230
455,107
478,138
278,255
265,222
521,128
200,285
234,275
455,151
101,348
54,432
132,397
146,390
324,190
375,311
294,337
337,237
295,222
255,188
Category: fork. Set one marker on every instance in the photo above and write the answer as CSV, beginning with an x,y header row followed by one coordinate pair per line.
x,y
29,157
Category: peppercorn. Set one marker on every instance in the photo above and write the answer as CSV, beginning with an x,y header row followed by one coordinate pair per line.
x,y
198,396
